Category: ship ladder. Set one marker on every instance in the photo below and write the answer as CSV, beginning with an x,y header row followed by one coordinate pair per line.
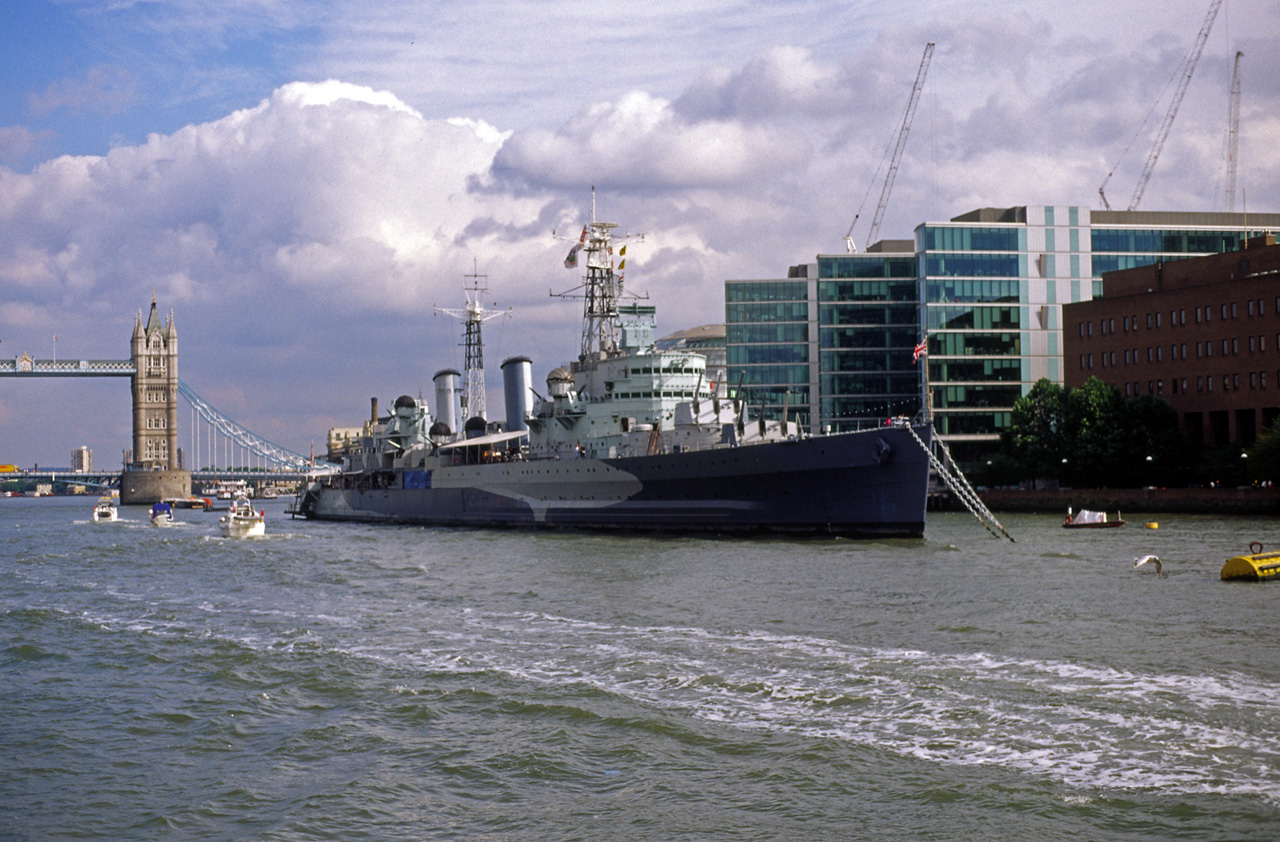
x,y
960,487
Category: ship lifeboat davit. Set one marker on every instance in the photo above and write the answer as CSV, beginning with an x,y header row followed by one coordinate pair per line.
x,y
1257,566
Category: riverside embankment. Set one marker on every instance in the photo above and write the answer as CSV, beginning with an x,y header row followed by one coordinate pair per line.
x,y
1255,501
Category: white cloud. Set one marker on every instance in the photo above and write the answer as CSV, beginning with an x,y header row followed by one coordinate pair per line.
x,y
308,239
640,143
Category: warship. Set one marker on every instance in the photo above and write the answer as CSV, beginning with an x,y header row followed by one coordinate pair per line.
x,y
628,437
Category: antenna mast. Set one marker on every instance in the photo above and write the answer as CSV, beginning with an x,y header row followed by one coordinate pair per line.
x,y
602,288
473,315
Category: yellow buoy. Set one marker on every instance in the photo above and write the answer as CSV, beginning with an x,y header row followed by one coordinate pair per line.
x,y
1153,525
1255,567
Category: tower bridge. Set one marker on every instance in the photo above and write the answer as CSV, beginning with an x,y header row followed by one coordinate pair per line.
x,y
153,470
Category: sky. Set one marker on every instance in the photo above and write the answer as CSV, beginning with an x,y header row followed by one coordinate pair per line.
x,y
305,185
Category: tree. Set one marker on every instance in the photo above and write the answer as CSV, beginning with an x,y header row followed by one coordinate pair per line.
x,y
1095,434
1037,429
1264,456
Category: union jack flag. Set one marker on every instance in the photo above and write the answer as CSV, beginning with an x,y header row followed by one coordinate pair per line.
x,y
921,349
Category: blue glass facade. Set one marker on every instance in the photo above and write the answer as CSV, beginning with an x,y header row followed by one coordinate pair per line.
x,y
988,287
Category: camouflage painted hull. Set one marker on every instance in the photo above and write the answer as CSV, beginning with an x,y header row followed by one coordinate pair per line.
x,y
865,484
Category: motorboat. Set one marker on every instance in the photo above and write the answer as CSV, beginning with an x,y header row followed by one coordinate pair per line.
x,y
105,511
1086,519
242,521
162,514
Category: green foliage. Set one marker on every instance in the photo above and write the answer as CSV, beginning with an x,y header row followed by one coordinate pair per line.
x,y
1037,432
1104,439
1264,456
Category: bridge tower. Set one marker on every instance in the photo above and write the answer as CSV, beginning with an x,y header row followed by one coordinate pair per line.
x,y
154,351
153,473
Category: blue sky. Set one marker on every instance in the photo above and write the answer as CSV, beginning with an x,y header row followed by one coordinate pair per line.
x,y
303,184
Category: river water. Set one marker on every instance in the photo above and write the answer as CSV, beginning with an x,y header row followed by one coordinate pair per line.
x,y
335,681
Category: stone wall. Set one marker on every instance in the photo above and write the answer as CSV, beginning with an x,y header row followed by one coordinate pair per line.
x,y
147,487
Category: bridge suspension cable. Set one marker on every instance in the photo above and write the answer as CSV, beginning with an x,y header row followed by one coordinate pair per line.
x,y
272,455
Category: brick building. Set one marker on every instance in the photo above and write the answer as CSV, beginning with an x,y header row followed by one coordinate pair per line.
x,y
1201,333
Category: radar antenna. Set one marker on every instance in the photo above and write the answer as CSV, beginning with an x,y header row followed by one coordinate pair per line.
x,y
473,315
602,288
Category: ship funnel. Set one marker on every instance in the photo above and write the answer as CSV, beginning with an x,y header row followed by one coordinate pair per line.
x,y
373,412
447,408
517,391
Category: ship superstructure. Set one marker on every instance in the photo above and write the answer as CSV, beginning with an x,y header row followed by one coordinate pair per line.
x,y
627,436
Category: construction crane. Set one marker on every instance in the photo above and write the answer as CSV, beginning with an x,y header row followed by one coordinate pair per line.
x,y
899,145
1187,67
1233,134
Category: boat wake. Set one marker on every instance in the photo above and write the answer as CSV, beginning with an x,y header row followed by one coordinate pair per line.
x,y
1086,726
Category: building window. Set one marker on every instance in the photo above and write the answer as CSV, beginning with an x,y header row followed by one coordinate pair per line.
x,y
1235,346
1148,321
1260,309
1224,311
1159,353
1112,325
1262,379
1127,393
1233,309
1150,357
1082,362
1207,312
1200,384
1175,385
1184,350
1126,324
1235,382
1173,318
1113,359
1199,350
1250,306
1252,344
1173,352
1184,385
1126,356
1253,380
1225,347
1091,361
1182,317
1209,384
1082,330
1157,320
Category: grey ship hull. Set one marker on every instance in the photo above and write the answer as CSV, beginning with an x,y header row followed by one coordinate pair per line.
x,y
866,484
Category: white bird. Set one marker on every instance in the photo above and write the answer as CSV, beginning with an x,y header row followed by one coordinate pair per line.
x,y
1138,562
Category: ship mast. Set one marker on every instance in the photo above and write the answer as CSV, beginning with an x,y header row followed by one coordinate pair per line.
x,y
473,315
602,287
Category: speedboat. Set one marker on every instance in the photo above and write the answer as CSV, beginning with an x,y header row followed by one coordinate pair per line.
x,y
241,521
105,511
1085,519
162,514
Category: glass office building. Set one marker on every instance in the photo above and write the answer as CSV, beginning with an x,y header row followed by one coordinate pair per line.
x,y
833,341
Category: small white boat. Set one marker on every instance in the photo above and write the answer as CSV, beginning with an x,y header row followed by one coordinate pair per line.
x,y
1085,519
105,511
162,514
241,521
